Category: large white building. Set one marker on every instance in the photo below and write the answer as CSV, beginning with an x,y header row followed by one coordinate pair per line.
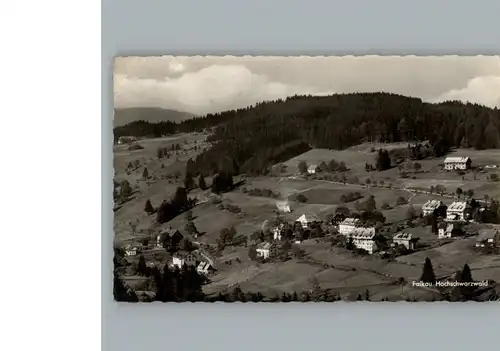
x,y
363,238
457,211
348,225
432,205
462,163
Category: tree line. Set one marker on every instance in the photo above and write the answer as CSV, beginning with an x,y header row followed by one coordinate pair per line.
x,y
249,140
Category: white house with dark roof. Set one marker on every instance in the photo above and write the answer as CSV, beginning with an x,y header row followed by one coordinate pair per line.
x,y
312,169
405,239
457,211
433,205
348,225
307,219
182,258
363,238
452,163
447,230
267,250
283,206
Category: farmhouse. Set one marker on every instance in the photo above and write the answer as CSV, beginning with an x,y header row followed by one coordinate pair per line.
x,y
170,237
182,258
405,239
489,237
312,169
348,225
307,219
283,206
363,239
449,230
205,268
462,163
126,139
434,206
458,211
278,232
132,250
267,250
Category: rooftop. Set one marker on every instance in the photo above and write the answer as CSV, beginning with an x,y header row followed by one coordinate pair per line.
x,y
310,217
487,233
432,205
350,221
456,159
402,236
264,246
364,233
457,206
312,167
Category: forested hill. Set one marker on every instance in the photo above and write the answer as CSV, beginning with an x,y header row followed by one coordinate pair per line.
x,y
254,137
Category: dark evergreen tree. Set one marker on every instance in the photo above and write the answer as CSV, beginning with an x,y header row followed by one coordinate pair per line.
x,y
201,182
142,268
428,275
148,208
145,173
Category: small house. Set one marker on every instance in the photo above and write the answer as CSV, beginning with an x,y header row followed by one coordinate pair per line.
x,y
405,239
458,211
460,163
434,206
348,225
307,219
131,250
283,206
449,230
489,237
312,169
170,237
278,232
205,268
182,258
267,250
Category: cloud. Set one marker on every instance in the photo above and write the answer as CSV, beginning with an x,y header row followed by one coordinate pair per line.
x,y
482,90
211,89
201,84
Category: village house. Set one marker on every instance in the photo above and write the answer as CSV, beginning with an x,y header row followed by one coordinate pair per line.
x,y
461,163
126,139
312,169
405,239
458,211
132,251
267,250
348,225
449,230
278,232
283,206
205,268
489,237
363,238
182,258
434,206
307,220
170,237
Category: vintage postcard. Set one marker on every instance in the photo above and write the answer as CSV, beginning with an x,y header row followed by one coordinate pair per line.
x,y
305,179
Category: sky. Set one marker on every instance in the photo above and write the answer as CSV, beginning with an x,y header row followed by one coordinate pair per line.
x,y
208,84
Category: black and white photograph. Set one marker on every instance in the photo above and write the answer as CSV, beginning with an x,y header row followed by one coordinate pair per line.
x,y
306,179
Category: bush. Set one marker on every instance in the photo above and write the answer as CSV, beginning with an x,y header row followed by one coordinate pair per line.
x,y
301,198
